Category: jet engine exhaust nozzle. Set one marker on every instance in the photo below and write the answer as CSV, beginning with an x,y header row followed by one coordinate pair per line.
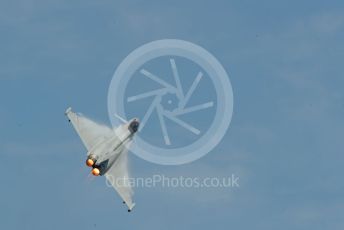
x,y
89,162
95,172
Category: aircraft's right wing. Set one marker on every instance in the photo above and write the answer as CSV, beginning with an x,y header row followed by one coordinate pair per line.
x,y
89,131
118,177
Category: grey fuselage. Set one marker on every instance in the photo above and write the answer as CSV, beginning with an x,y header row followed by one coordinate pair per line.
x,y
108,150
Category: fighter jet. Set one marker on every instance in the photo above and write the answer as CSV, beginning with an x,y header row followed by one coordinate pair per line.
x,y
107,151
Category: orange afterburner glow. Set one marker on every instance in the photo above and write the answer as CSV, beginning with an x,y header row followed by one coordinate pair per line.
x,y
95,172
89,162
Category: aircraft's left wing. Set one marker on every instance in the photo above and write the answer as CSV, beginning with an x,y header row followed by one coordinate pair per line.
x,y
118,177
90,132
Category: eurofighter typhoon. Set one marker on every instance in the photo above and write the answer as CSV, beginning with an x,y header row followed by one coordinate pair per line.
x,y
107,151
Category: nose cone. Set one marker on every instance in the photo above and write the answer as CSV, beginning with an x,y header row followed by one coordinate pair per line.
x,y
134,126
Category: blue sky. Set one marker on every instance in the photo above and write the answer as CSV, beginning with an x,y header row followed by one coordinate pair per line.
x,y
285,141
